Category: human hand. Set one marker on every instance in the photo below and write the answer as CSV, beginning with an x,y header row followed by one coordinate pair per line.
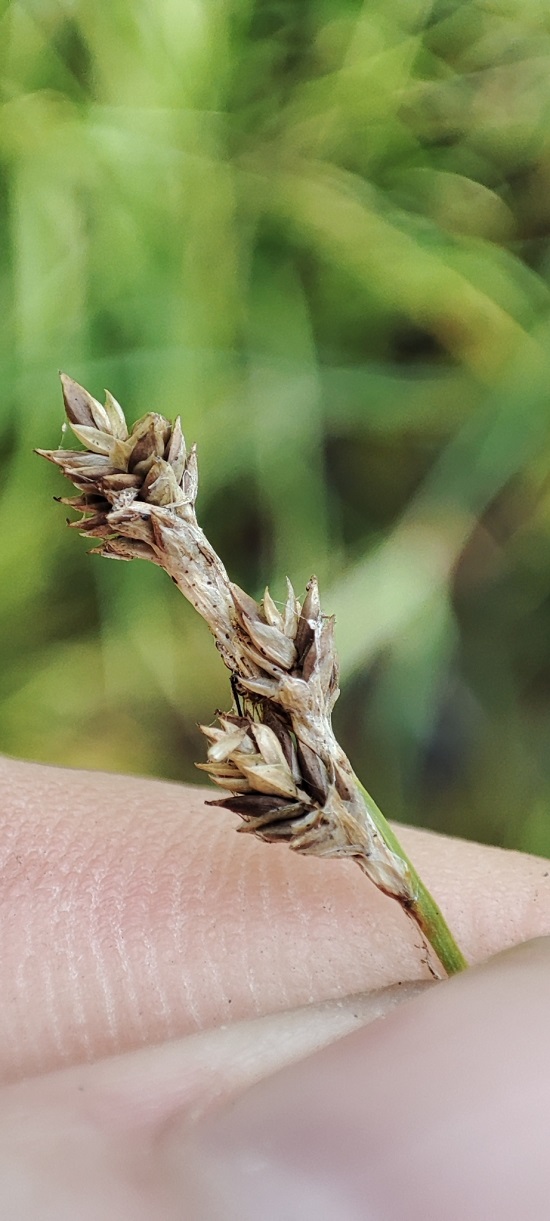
x,y
184,964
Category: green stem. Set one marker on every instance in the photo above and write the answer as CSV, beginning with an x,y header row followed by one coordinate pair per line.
x,y
422,908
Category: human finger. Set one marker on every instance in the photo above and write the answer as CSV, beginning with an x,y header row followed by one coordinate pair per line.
x,y
440,1110
131,913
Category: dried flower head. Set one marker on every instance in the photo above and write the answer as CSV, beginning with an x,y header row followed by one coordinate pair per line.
x,y
277,756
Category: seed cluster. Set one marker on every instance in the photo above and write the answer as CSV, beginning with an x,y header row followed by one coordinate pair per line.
x,y
276,756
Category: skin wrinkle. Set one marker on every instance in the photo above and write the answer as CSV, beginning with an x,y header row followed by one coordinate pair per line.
x,y
231,938
12,1017
232,922
297,911
100,930
180,923
268,878
51,1009
150,898
148,901
206,937
149,886
101,890
212,900
197,896
161,1005
137,915
97,832
44,969
247,902
73,954
249,890
128,975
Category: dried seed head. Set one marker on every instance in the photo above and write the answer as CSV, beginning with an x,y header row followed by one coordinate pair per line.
x,y
151,459
286,775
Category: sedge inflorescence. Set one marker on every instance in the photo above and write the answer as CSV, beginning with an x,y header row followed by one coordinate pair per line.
x,y
275,753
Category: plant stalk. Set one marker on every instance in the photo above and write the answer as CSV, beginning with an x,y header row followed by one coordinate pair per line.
x,y
422,909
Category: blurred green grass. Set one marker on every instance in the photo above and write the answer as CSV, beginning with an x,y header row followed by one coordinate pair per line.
x,y
320,231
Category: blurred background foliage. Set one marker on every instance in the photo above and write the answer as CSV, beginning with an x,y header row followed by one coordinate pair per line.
x,y
320,230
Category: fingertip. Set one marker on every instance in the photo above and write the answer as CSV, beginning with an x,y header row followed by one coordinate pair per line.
x,y
440,1110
